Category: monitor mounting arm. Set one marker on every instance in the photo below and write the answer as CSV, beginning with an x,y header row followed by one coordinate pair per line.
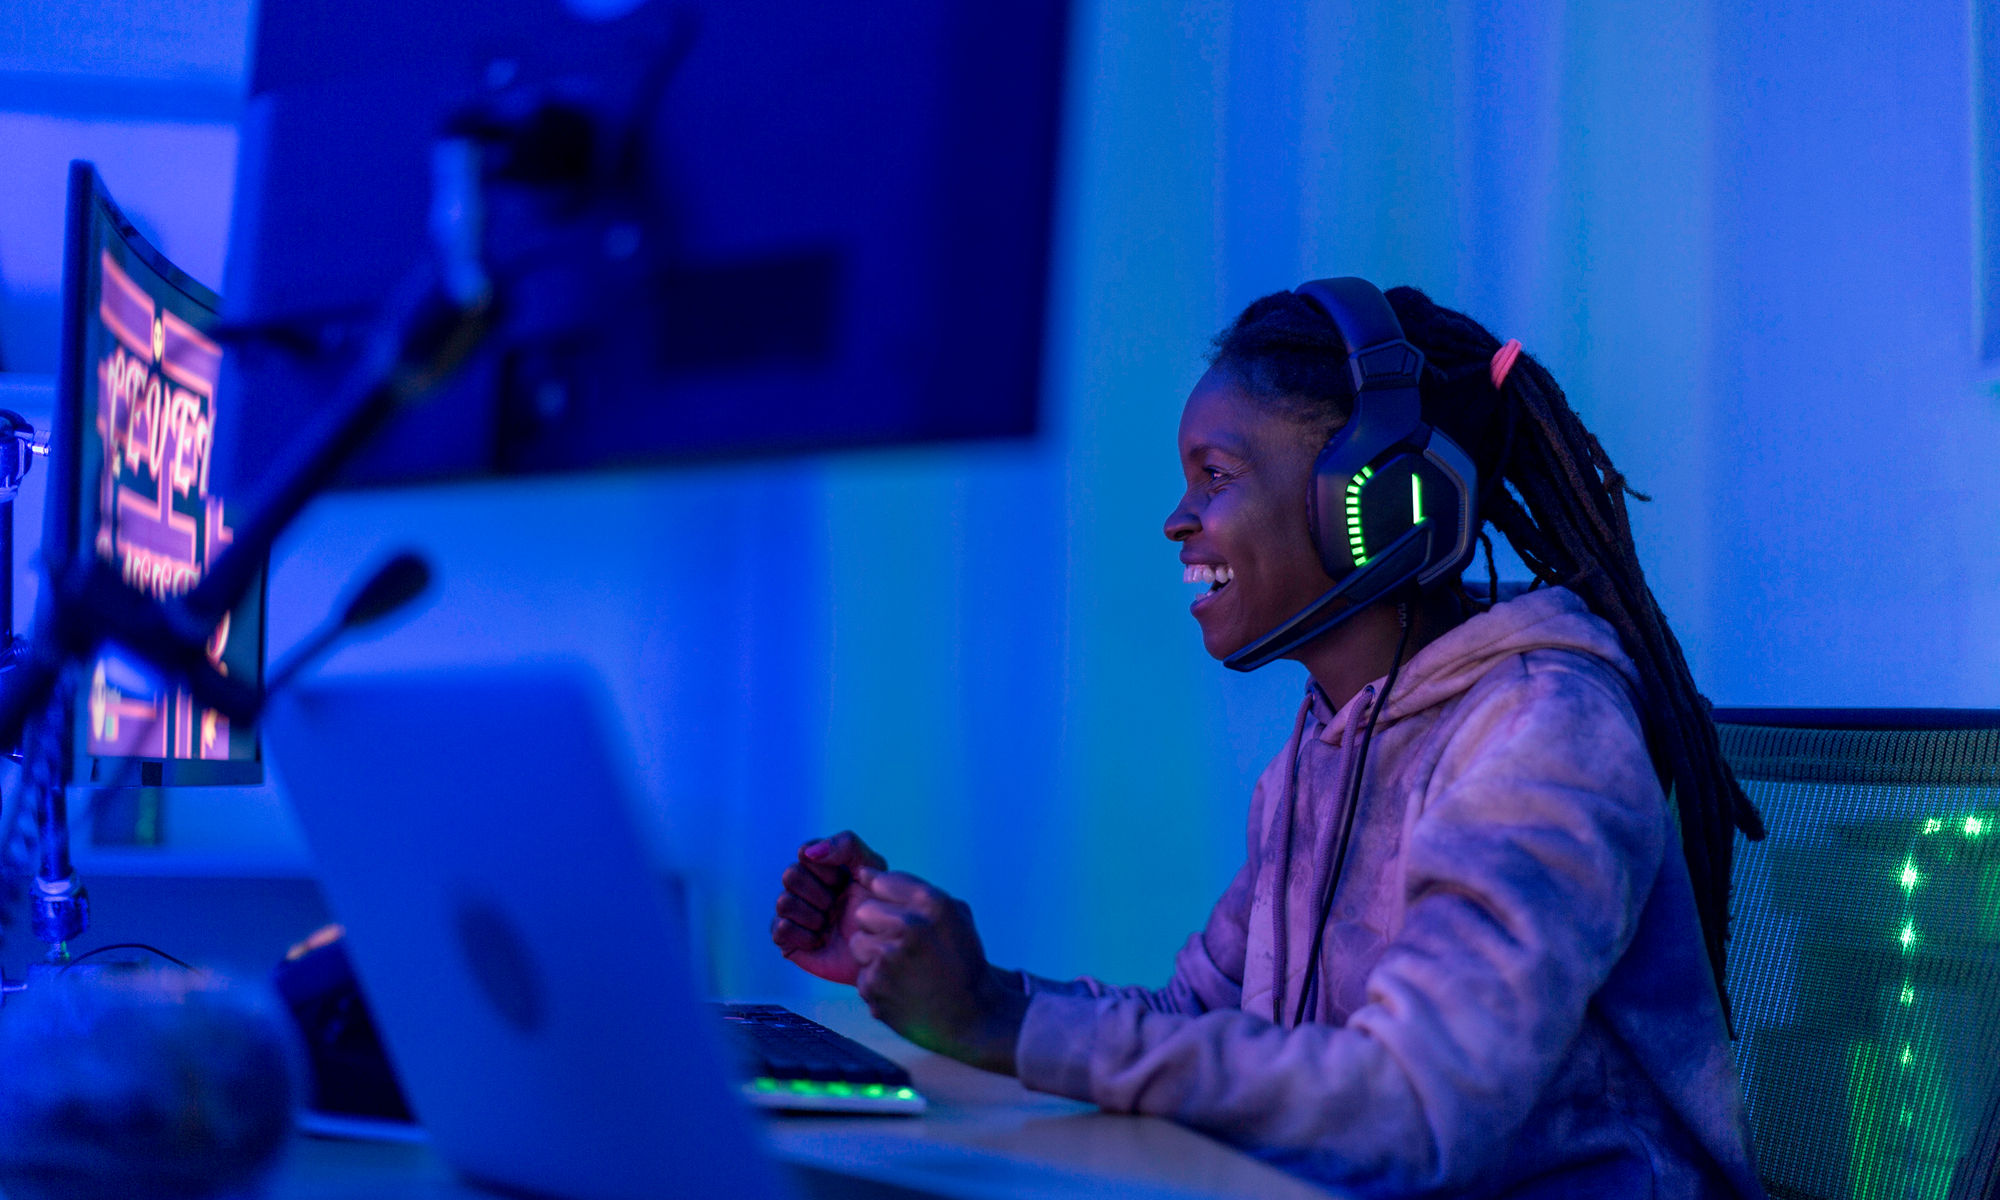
x,y
445,311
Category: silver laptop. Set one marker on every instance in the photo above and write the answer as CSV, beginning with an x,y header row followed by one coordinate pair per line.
x,y
473,831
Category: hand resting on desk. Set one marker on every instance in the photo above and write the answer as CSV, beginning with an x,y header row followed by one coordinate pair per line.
x,y
908,947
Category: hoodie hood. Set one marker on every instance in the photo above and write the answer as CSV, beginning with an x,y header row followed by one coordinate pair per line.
x,y
1552,618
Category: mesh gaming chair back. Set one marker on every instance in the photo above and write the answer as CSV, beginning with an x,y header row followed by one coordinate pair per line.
x,y
1864,960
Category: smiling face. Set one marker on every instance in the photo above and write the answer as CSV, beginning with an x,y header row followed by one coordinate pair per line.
x,y
1242,521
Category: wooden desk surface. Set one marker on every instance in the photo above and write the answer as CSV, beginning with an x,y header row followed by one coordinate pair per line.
x,y
985,1136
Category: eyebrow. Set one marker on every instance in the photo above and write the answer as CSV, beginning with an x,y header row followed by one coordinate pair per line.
x,y
1231,449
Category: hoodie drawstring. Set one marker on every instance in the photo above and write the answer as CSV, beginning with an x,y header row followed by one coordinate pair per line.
x,y
1350,793
1290,809
1332,882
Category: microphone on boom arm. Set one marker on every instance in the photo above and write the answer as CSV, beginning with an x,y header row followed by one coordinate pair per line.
x,y
393,586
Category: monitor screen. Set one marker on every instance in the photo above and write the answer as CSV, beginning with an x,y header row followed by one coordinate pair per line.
x,y
137,407
815,226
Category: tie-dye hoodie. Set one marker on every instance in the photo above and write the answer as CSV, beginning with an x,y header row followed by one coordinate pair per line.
x,y
1513,997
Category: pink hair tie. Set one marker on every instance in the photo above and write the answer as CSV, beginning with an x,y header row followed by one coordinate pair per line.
x,y
1503,361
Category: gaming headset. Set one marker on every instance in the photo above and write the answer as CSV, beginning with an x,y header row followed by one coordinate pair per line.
x,y
1392,500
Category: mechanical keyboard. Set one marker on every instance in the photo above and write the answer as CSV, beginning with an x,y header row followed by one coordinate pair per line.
x,y
795,1064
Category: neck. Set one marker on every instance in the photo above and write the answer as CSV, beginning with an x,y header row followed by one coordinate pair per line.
x,y
1362,649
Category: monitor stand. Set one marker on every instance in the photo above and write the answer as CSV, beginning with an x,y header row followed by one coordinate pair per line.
x,y
130,816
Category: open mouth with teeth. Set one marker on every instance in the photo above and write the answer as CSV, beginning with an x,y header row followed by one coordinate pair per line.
x,y
1215,575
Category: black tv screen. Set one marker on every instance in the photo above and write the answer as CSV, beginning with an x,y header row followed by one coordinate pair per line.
x,y
807,227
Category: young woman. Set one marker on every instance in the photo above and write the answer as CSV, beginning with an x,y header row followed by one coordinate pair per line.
x,y
1463,955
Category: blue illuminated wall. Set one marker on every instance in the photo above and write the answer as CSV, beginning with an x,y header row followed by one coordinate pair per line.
x,y
1748,240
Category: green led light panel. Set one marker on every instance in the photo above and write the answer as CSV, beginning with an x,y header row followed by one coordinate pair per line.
x,y
1355,542
1864,962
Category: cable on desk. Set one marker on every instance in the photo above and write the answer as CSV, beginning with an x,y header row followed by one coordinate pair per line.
x,y
125,946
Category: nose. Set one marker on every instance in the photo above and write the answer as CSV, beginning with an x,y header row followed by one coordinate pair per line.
x,y
1182,524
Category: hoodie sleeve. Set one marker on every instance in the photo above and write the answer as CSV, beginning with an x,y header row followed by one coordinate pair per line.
x,y
1525,872
1208,971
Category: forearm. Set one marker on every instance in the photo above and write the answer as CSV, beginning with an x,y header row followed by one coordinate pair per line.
x,y
1003,1008
1199,983
926,976
1314,1092
979,1027
1176,997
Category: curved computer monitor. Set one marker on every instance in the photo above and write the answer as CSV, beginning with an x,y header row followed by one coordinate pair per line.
x,y
137,408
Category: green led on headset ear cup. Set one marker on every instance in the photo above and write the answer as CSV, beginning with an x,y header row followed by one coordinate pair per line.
x,y
1384,502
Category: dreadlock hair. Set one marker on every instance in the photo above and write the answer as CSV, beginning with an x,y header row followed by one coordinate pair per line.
x,y
1549,487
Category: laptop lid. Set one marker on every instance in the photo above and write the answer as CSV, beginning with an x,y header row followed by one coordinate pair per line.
x,y
473,831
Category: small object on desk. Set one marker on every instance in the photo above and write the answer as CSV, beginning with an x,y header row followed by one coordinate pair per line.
x,y
354,1085
798,1065
128,1082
